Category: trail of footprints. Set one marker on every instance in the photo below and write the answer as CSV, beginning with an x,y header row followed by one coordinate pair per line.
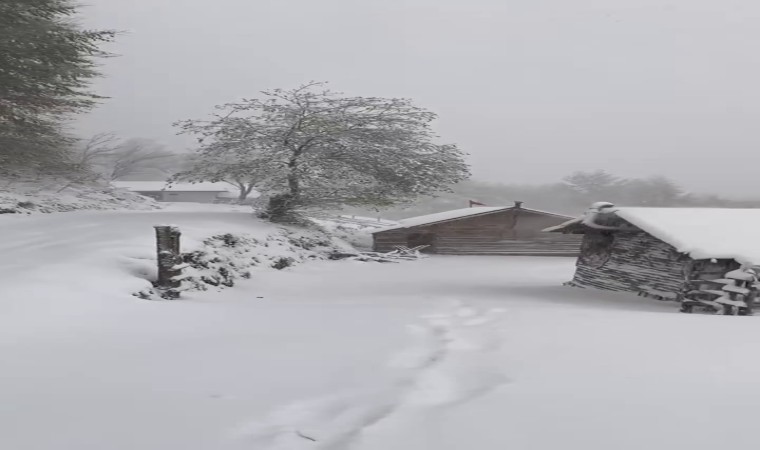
x,y
451,362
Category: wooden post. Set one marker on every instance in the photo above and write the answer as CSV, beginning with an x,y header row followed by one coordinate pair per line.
x,y
167,246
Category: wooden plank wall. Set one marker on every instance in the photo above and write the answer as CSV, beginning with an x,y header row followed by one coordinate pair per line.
x,y
546,244
511,232
387,240
639,263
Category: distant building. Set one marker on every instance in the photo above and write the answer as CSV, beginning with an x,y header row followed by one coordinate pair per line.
x,y
181,192
482,230
665,253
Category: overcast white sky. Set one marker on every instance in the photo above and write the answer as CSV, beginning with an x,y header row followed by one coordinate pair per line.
x,y
532,89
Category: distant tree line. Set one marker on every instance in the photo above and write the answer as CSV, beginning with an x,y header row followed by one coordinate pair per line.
x,y
107,157
572,195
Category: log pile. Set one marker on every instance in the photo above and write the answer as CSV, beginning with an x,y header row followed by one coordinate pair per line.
x,y
402,253
734,294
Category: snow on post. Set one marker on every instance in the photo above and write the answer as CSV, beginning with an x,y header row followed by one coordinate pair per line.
x,y
167,246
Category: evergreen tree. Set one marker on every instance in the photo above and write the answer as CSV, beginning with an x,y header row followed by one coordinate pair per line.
x,y
46,64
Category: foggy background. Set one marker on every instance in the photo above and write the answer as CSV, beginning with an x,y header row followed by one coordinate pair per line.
x,y
532,90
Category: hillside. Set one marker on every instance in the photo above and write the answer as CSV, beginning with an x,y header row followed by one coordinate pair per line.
x,y
51,195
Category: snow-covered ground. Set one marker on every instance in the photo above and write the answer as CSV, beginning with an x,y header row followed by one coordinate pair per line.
x,y
445,353
48,195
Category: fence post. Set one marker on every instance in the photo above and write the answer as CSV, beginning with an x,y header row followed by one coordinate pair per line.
x,y
167,246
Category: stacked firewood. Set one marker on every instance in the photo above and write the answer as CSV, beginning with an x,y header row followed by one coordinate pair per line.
x,y
734,294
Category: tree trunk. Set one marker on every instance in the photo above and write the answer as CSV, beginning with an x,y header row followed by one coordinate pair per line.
x,y
281,206
294,184
243,195
244,189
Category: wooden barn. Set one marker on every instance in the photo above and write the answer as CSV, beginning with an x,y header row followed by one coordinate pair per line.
x,y
662,252
483,230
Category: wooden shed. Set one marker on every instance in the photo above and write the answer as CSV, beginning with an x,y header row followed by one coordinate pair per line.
x,y
484,230
661,252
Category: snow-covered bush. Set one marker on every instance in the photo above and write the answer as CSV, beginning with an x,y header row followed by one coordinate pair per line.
x,y
226,258
356,234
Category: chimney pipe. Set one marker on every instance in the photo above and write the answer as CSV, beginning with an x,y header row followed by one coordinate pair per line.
x,y
518,204
597,209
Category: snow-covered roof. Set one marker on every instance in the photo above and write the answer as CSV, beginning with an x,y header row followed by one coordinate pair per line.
x,y
565,227
154,186
701,233
455,214
444,216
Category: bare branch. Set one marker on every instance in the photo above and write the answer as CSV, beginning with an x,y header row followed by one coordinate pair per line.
x,y
133,156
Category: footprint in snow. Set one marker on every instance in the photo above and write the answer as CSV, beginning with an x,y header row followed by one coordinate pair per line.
x,y
330,422
453,357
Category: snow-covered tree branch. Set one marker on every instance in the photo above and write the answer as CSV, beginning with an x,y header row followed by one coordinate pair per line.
x,y
310,147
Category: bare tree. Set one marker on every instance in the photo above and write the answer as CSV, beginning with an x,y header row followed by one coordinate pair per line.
x,y
84,159
94,151
594,184
136,155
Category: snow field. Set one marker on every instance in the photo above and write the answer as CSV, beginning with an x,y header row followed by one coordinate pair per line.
x,y
443,353
448,363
